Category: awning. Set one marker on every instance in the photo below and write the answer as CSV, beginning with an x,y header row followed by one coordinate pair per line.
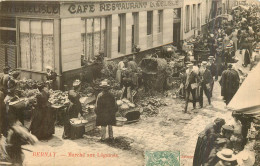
x,y
247,98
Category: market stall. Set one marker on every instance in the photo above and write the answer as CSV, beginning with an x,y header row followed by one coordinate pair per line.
x,y
246,103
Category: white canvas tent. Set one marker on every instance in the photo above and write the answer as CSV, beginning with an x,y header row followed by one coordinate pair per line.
x,y
247,98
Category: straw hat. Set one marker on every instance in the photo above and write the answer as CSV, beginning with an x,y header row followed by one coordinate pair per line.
x,y
210,57
189,65
245,158
226,155
104,84
204,63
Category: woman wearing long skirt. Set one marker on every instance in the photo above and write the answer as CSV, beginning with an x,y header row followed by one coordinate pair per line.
x,y
43,118
73,111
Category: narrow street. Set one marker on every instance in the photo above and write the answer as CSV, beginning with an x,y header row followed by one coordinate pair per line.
x,y
170,130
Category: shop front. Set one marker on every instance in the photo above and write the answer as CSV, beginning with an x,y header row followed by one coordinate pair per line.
x,y
62,33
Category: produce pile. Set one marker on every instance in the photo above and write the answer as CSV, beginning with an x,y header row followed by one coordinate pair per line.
x,y
27,84
29,92
150,106
125,104
58,98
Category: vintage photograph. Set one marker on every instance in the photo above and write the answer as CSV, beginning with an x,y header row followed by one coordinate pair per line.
x,y
130,82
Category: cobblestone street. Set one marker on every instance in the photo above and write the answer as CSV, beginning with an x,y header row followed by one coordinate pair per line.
x,y
170,130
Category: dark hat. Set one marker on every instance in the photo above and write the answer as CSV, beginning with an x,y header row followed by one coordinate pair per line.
x,y
16,73
219,121
228,128
229,65
220,141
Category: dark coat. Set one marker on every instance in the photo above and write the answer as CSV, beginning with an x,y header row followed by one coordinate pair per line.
x,y
229,83
213,69
43,118
106,109
193,78
206,77
205,144
72,111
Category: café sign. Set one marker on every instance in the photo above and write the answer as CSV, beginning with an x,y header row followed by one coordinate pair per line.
x,y
30,8
113,7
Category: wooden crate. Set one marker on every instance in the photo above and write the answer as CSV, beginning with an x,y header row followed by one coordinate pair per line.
x,y
90,126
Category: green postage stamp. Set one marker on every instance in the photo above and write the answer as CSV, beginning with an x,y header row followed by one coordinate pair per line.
x,y
162,158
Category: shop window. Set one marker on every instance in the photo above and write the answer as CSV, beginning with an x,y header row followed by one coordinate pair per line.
x,y
135,30
198,16
93,37
187,27
36,44
194,16
149,22
122,33
160,21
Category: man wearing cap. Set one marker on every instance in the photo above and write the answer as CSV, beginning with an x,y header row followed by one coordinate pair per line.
x,y
105,110
206,81
213,70
206,141
191,84
227,132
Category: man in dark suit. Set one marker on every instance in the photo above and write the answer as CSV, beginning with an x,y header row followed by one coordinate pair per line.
x,y
213,70
206,81
191,85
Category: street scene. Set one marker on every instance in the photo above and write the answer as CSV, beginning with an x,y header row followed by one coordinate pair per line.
x,y
130,82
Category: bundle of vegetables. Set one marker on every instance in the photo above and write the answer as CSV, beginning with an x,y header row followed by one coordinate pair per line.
x,y
28,84
150,106
125,104
30,92
58,98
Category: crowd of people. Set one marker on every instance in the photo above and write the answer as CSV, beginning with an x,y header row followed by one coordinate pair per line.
x,y
216,145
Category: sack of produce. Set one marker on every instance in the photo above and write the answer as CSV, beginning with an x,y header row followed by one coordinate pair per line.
x,y
124,106
119,102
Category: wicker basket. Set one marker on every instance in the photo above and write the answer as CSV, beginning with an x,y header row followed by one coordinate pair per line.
x,y
18,104
77,122
120,121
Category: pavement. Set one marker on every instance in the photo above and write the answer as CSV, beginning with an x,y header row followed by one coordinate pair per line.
x,y
170,130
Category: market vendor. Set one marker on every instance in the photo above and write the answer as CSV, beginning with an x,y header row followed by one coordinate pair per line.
x,y
105,110
43,117
237,138
76,85
74,110
133,68
128,85
213,159
51,77
206,141
120,68
226,157
4,80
